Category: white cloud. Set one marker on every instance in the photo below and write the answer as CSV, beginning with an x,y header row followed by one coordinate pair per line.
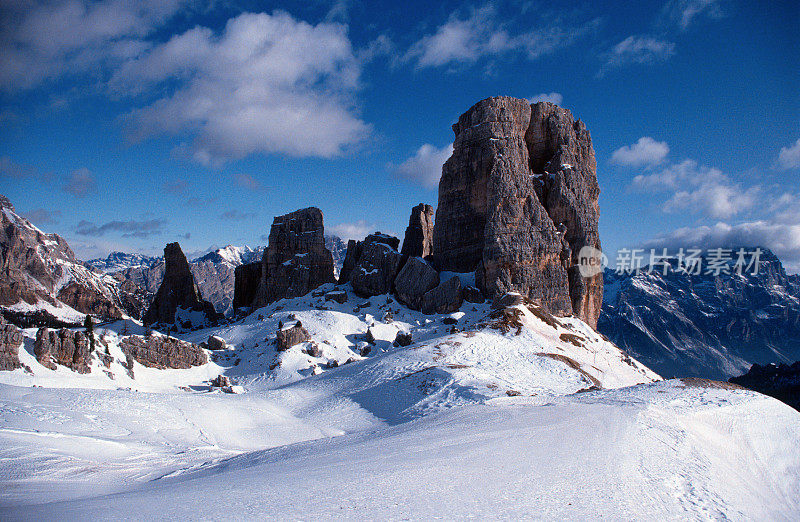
x,y
783,239
699,189
425,166
641,50
683,12
44,40
266,84
80,183
466,39
646,151
789,157
552,97
355,230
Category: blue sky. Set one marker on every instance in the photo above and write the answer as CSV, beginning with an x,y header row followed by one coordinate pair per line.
x,y
125,125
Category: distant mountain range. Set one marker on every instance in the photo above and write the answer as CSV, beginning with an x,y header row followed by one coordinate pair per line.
x,y
712,326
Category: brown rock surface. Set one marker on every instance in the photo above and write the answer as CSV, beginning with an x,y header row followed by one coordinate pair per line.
x,y
378,265
296,260
248,277
290,336
445,298
351,258
517,202
415,278
158,351
64,347
10,341
178,289
418,241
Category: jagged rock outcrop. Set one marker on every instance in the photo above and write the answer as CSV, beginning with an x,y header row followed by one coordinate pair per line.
x,y
445,298
159,351
418,241
377,266
216,343
291,335
296,260
518,201
35,267
177,290
415,278
351,257
10,341
64,347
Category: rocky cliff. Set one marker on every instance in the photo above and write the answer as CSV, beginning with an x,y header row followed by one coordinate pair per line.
x,y
40,274
178,290
418,241
296,260
518,199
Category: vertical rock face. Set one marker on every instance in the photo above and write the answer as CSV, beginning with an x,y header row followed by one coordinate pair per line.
x,y
64,347
156,351
296,260
418,241
351,257
10,341
178,289
247,279
517,202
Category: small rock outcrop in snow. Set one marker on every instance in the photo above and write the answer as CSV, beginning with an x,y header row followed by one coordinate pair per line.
x,y
518,201
290,336
158,351
64,347
10,341
177,290
216,343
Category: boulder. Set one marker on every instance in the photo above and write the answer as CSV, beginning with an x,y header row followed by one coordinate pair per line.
x,y
518,202
444,299
403,339
177,290
473,295
508,299
64,347
216,343
10,341
418,241
415,278
159,351
340,296
289,336
220,381
296,260
377,267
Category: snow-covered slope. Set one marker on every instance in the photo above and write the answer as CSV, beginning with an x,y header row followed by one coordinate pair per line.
x,y
505,414
117,261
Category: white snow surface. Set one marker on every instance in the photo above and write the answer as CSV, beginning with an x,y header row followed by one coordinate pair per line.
x,y
547,420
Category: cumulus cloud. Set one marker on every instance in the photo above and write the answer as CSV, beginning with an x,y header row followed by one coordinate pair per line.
x,y
789,157
80,183
130,228
698,188
467,39
40,216
265,84
425,166
639,50
236,215
782,238
552,97
646,151
355,230
683,12
45,40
